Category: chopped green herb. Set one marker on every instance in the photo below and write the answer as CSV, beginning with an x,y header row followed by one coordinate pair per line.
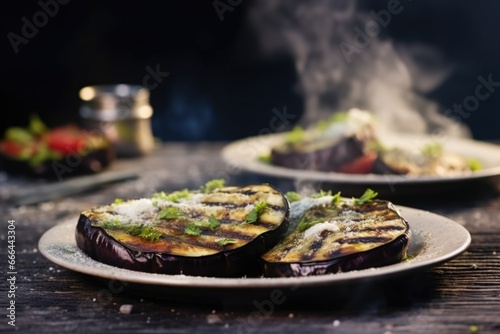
x,y
367,197
292,196
255,213
175,196
36,126
305,223
150,233
214,222
112,224
118,201
336,199
226,241
144,231
19,135
135,229
211,185
297,134
474,164
194,228
339,117
265,158
169,213
322,193
432,150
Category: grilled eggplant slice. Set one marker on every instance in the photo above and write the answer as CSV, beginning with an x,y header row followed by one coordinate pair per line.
x,y
333,235
208,232
339,145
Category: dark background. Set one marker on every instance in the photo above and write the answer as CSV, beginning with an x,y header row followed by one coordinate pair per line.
x,y
220,86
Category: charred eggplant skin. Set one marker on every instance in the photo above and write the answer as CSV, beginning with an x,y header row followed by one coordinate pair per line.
x,y
237,262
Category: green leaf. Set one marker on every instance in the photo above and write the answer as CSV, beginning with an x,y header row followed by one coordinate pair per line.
x,y
297,134
336,199
305,224
265,158
195,227
226,241
211,185
432,150
150,233
474,164
112,224
322,193
192,229
367,197
19,135
36,126
292,196
118,201
169,213
255,213
175,196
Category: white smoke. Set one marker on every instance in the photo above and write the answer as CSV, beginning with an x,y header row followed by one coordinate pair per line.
x,y
378,76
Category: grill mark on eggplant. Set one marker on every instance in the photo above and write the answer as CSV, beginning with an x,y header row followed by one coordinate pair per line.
x,y
382,228
364,240
231,205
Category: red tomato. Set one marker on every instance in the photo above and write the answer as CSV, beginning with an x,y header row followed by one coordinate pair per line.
x,y
361,165
16,150
65,140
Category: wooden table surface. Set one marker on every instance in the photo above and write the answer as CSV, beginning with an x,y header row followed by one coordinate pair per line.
x,y
460,296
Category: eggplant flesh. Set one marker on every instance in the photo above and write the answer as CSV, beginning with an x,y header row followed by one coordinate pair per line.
x,y
104,233
328,239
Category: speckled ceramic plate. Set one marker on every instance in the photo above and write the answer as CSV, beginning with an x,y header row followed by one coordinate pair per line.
x,y
244,154
436,239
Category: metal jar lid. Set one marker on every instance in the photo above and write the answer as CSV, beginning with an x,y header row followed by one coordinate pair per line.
x,y
115,102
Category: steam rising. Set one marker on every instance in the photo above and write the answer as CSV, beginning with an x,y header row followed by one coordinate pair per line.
x,y
380,77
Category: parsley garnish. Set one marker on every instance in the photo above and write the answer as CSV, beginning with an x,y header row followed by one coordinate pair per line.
x,y
336,199
118,201
211,185
296,135
292,196
175,196
226,241
144,231
112,224
322,193
367,197
305,223
474,164
194,228
265,158
169,213
432,150
254,215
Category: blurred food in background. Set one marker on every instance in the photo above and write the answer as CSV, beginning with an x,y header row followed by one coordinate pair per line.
x,y
41,151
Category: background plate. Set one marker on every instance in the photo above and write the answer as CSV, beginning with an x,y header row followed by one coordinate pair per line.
x,y
436,239
244,154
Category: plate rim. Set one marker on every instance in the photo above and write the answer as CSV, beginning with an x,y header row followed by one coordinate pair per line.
x,y
249,162
419,221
